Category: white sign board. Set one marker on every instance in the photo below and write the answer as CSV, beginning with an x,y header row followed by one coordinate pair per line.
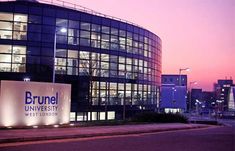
x,y
34,103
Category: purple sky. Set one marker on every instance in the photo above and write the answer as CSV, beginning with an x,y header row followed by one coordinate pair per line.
x,y
199,34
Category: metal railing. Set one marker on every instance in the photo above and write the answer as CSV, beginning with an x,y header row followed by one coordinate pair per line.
x,y
77,7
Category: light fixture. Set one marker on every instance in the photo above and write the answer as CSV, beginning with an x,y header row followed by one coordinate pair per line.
x,y
63,30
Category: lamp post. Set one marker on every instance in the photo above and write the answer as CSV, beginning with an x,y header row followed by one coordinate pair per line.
x,y
190,95
180,70
62,30
173,98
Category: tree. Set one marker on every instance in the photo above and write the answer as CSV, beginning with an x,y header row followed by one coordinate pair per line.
x,y
91,67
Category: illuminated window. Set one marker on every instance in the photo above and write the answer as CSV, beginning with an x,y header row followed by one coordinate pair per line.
x,y
12,59
72,68
6,16
20,27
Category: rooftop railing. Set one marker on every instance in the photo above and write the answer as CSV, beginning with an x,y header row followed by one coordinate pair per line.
x,y
77,7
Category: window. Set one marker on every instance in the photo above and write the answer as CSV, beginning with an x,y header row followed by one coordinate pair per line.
x,y
6,16
20,18
12,59
62,22
5,25
105,29
61,53
4,34
73,24
95,28
114,31
35,19
105,41
20,27
73,35
85,26
72,68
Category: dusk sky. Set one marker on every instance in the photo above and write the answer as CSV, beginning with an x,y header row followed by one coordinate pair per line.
x,y
199,34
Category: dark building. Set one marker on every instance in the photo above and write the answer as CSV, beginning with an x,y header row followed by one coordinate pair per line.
x,y
222,89
196,97
173,96
114,66
208,99
174,79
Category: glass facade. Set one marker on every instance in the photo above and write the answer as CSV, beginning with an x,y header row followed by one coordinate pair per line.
x,y
108,63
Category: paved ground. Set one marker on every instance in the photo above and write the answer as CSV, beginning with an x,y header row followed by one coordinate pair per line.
x,y
217,138
7,136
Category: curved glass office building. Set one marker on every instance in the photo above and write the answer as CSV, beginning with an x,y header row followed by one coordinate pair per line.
x,y
114,67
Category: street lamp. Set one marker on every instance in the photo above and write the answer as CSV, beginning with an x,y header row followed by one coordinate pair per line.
x,y
180,70
62,30
190,95
173,97
197,105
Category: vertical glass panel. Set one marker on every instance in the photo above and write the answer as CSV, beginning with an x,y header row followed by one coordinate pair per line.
x,y
20,26
61,53
18,35
19,50
114,31
84,55
73,40
73,24
122,33
73,32
5,25
73,62
62,22
18,58
129,42
20,18
60,61
104,65
72,70
129,35
104,45
114,46
18,67
5,58
72,54
95,43
113,58
95,28
136,37
84,34
104,57
122,60
122,41
5,48
105,37
105,29
5,67
35,19
85,26
114,39
5,34
60,70
85,42
61,39
6,16
95,36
